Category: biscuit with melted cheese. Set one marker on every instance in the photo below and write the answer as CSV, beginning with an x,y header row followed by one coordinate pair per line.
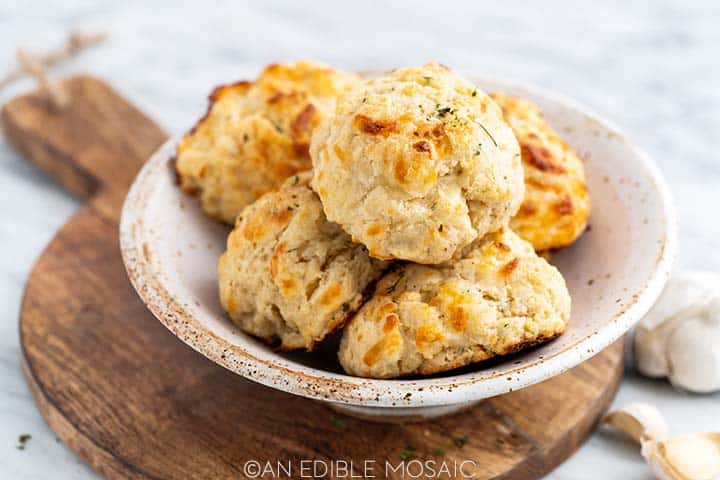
x,y
256,134
417,164
288,275
498,298
556,206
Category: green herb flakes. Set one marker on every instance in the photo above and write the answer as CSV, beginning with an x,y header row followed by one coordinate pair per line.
x,y
338,423
22,441
392,287
407,453
487,133
460,441
441,112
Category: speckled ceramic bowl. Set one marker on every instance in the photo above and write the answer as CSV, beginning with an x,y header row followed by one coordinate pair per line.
x,y
614,272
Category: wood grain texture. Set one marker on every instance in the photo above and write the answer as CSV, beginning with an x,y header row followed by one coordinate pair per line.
x,y
93,148
135,402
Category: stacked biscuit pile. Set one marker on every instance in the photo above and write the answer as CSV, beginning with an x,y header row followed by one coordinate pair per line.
x,y
410,230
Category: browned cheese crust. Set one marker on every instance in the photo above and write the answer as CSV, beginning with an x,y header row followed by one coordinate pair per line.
x,y
256,134
289,275
417,164
500,297
555,210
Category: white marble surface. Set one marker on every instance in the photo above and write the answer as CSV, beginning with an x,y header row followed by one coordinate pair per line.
x,y
653,68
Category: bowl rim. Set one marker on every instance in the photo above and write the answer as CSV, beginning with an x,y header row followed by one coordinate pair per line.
x,y
320,384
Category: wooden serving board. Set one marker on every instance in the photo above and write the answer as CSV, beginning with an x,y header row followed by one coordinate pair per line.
x,y
134,402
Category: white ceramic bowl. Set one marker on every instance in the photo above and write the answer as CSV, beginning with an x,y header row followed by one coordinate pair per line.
x,y
614,272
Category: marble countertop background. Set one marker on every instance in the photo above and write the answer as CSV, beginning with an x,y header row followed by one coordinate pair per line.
x,y
651,67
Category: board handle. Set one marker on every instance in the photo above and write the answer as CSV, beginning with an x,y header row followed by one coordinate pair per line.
x,y
94,147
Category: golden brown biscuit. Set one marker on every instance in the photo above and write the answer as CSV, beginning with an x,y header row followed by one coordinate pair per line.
x,y
290,275
256,134
556,206
417,164
499,298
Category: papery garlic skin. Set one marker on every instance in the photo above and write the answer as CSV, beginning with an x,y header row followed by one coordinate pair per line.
x,y
678,338
639,421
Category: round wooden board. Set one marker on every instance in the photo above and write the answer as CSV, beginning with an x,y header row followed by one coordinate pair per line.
x,y
134,402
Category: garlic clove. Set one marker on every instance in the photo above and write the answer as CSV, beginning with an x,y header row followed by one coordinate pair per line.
x,y
639,421
693,352
685,457
687,296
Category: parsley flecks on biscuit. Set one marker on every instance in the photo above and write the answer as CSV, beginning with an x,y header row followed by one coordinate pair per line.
x,y
417,164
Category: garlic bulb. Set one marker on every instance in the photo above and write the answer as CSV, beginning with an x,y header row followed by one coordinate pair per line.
x,y
680,337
